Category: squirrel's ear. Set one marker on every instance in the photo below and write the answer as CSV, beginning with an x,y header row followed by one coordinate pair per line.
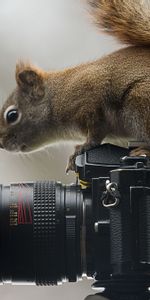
x,y
30,80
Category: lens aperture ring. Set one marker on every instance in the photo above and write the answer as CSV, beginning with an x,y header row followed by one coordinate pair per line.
x,y
44,233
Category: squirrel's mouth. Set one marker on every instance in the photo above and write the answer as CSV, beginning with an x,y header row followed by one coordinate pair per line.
x,y
13,147
1,146
23,148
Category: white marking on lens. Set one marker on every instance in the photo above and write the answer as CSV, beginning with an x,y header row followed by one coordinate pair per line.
x,y
99,289
12,107
64,280
59,282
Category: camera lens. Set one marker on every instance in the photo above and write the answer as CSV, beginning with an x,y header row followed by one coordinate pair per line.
x,y
44,232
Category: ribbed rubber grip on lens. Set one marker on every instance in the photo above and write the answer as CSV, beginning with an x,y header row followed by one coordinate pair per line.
x,y
71,268
45,233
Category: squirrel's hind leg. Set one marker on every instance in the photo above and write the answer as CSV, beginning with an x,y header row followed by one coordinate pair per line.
x,y
136,115
141,151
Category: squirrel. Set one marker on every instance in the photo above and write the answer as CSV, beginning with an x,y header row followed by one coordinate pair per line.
x,y
106,97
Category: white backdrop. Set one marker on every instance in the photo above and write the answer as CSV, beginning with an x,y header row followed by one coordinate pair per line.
x,y
53,35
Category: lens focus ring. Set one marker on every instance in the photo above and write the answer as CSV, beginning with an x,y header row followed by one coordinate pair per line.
x,y
44,232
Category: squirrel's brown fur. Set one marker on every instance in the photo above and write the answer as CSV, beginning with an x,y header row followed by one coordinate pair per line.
x,y
107,97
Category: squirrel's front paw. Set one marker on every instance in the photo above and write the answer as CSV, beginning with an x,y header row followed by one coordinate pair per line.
x,y
140,151
79,149
71,163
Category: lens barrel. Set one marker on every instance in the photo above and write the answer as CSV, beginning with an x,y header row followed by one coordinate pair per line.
x,y
57,226
42,233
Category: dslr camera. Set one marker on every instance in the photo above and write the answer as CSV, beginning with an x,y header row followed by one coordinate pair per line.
x,y
98,227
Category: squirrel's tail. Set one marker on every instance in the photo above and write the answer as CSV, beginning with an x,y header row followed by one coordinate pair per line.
x,y
128,20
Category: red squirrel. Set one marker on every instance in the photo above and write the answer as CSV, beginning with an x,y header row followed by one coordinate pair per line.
x,y
106,97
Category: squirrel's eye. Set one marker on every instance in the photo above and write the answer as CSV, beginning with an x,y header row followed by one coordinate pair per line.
x,y
12,115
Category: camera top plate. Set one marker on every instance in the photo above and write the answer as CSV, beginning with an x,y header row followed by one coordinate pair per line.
x,y
99,161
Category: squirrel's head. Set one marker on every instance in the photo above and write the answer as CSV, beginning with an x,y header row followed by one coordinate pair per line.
x,y
25,116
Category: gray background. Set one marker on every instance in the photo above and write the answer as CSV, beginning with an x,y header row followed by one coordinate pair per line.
x,y
53,35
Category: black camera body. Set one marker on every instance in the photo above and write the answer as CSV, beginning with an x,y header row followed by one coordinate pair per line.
x,y
120,187
100,226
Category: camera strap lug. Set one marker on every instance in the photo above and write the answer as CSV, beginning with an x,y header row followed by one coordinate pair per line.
x,y
111,197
